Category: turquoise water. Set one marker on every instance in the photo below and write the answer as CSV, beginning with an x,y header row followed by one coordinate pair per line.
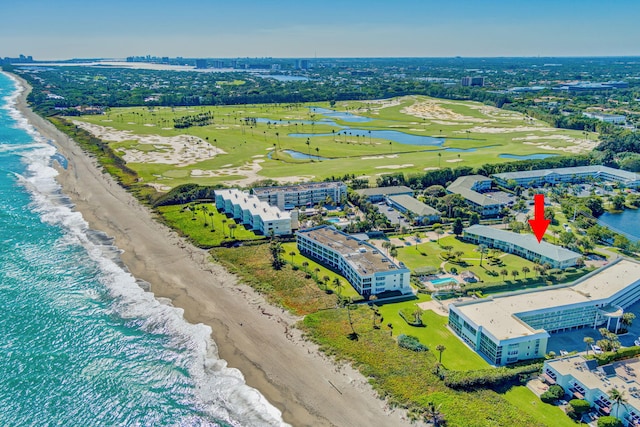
x,y
526,157
389,135
81,344
445,281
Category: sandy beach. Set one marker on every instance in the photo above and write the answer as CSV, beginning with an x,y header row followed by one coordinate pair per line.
x,y
251,335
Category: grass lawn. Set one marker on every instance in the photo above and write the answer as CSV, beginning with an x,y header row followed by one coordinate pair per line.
x,y
429,254
287,288
528,402
190,220
347,290
457,355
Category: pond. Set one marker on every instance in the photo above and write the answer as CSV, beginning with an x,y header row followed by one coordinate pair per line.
x,y
340,115
625,223
298,155
527,157
390,135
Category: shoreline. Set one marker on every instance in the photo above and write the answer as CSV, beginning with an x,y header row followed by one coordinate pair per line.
x,y
305,385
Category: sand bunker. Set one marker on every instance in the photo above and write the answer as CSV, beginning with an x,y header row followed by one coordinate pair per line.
x,y
408,165
543,141
180,150
250,173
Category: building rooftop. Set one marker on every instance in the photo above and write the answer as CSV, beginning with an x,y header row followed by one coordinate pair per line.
x,y
413,205
623,375
525,241
464,187
498,315
578,170
364,257
254,205
297,187
384,191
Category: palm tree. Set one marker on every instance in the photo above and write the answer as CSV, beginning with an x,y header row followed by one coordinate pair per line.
x,y
440,348
278,137
504,272
292,254
525,270
338,284
224,232
318,153
393,252
618,398
386,245
439,158
433,415
515,273
588,341
482,249
316,270
232,229
308,147
205,211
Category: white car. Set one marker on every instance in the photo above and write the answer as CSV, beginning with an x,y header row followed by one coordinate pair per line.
x,y
596,349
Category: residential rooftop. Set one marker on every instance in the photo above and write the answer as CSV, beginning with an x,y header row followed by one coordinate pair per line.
x,y
297,187
623,375
597,170
464,187
384,191
524,241
413,205
253,205
499,315
364,257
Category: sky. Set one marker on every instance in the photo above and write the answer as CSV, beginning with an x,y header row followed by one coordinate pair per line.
x,y
64,29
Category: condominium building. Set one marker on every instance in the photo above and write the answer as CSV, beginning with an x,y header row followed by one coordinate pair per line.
x,y
254,214
301,195
516,326
584,379
406,204
366,268
524,245
377,194
537,178
471,188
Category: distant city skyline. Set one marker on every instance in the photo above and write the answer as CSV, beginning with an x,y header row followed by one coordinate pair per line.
x,y
357,28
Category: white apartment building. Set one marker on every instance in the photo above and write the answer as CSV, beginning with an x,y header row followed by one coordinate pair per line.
x,y
254,214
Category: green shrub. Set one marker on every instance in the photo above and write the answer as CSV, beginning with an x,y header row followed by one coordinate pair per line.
x,y
612,356
489,378
579,406
609,421
554,393
411,343
412,316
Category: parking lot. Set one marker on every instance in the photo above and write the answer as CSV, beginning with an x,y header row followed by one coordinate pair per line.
x,y
574,340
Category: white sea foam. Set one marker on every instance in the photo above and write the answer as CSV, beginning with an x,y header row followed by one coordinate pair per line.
x,y
222,390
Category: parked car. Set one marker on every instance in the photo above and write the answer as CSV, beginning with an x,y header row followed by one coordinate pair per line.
x,y
596,349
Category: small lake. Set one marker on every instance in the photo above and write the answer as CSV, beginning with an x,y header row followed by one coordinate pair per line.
x,y
389,135
340,115
298,155
294,122
625,223
527,157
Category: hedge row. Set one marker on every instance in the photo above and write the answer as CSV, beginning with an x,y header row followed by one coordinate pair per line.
x,y
488,378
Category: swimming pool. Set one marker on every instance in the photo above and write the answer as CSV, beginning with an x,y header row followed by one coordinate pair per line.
x,y
333,220
445,281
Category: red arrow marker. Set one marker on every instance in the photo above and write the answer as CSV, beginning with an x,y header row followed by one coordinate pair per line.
x,y
538,223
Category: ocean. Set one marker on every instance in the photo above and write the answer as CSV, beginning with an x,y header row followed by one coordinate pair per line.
x,y
81,343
